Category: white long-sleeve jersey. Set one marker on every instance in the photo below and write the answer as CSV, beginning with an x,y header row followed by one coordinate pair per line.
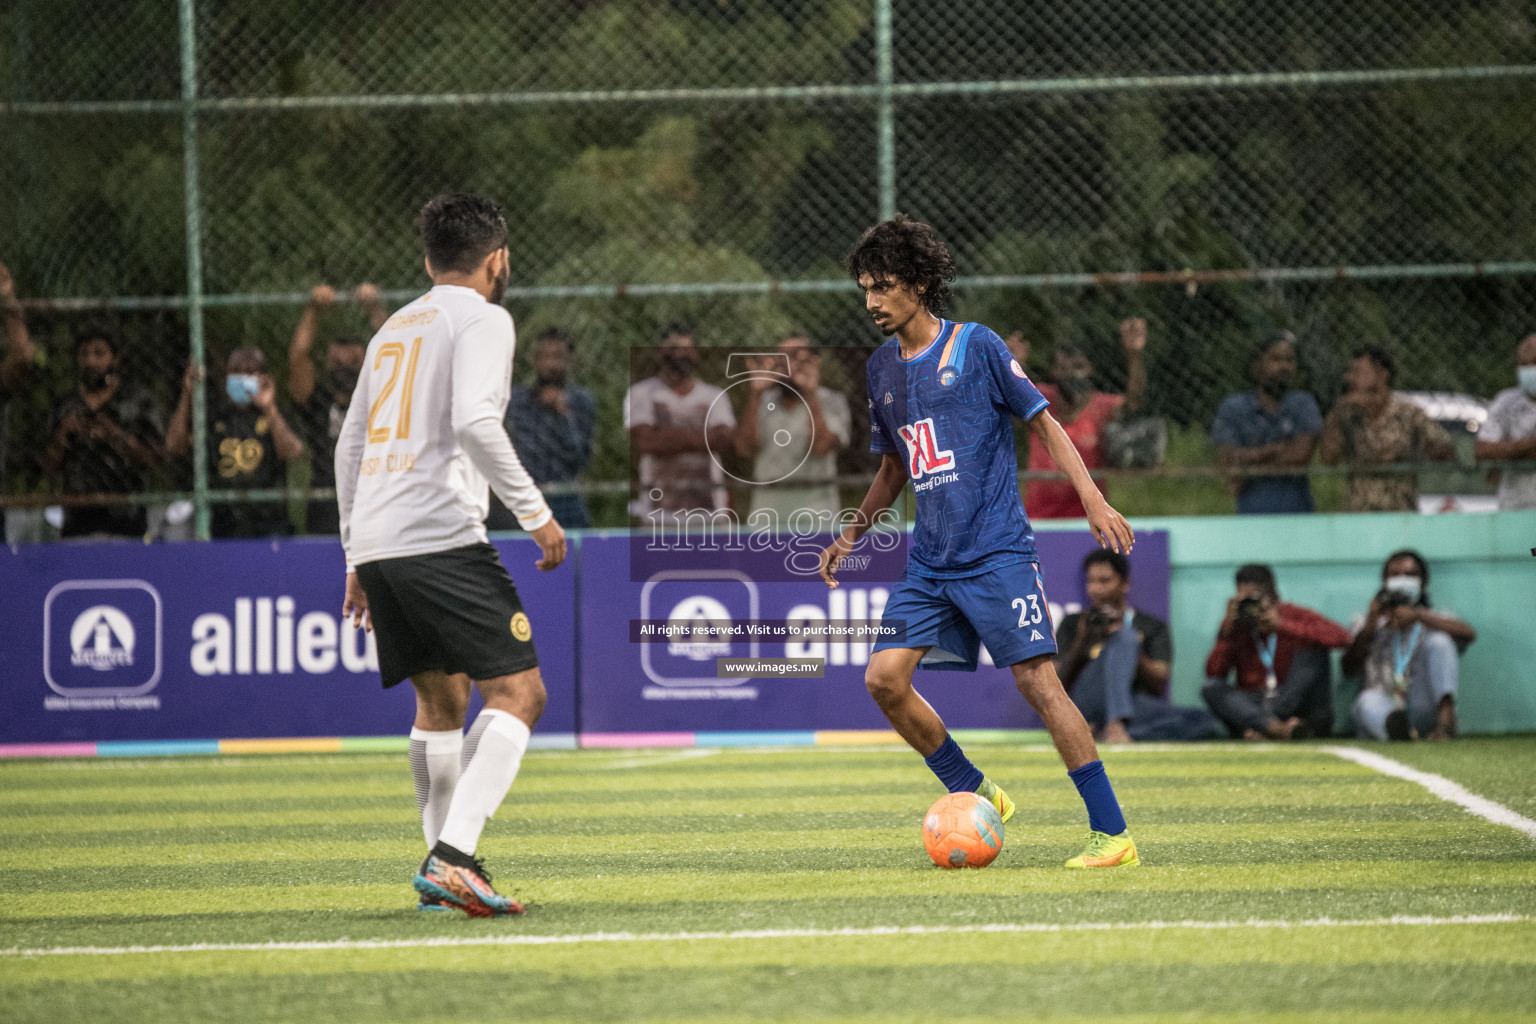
x,y
424,432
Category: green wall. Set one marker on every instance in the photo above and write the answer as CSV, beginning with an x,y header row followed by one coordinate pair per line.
x,y
1480,567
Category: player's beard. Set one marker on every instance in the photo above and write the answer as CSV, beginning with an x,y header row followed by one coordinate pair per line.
x,y
499,285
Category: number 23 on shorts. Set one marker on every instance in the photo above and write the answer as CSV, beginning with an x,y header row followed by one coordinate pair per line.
x,y
1031,611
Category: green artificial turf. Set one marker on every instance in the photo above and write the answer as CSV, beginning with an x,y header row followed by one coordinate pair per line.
x,y
635,853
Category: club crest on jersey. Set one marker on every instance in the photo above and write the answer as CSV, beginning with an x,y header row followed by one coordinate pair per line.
x,y
924,456
948,375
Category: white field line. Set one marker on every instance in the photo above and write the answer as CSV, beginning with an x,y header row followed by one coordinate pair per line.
x,y
766,933
1441,787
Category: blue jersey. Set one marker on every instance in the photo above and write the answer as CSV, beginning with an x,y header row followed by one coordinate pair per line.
x,y
949,412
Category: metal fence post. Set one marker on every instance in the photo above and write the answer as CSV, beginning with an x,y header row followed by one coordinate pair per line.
x,y
194,261
887,113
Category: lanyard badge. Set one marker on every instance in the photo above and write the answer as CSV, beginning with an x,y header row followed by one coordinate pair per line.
x,y
1267,649
1401,656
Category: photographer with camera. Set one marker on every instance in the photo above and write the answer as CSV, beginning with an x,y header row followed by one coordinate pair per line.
x,y
1115,661
1405,656
1279,654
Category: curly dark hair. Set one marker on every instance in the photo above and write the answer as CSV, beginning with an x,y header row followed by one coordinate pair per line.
x,y
908,251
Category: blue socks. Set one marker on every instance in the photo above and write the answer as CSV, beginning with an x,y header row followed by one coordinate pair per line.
x,y
957,773
1093,786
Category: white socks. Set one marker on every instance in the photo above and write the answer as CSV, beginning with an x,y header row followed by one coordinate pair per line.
x,y
502,739
435,770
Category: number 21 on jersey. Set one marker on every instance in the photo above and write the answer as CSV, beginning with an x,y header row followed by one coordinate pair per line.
x,y
394,351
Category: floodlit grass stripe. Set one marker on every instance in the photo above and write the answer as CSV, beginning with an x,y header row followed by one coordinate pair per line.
x,y
893,837
753,935
637,784
637,804
779,886
1441,787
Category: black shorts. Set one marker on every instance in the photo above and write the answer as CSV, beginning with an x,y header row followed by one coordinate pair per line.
x,y
455,611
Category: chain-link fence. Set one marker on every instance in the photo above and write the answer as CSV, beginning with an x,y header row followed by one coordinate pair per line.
x,y
178,176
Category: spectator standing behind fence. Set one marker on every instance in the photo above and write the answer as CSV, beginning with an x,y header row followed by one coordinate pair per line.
x,y
322,402
1510,431
1275,424
14,363
1115,662
249,439
551,424
793,442
1405,655
105,434
1279,654
1371,425
1083,413
665,416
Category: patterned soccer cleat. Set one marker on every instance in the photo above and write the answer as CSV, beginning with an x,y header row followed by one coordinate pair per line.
x,y
993,793
466,888
1106,851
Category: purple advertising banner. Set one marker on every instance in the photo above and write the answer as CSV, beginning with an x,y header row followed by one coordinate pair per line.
x,y
667,686
230,639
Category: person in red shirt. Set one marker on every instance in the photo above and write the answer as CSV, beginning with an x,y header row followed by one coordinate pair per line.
x,y
1083,413
1278,653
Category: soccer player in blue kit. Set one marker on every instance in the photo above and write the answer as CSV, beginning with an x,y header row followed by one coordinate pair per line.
x,y
942,398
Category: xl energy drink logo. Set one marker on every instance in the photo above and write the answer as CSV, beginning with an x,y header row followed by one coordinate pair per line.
x,y
102,638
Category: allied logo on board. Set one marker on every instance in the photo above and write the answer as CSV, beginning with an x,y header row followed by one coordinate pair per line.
x,y
104,643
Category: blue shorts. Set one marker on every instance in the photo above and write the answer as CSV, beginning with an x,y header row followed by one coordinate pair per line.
x,y
1004,608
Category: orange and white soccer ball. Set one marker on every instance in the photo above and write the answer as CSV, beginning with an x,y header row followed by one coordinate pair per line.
x,y
962,831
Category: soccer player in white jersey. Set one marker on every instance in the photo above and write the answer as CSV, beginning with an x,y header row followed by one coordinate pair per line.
x,y
423,436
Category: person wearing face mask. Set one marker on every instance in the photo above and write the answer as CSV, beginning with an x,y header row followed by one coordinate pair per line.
x,y
1404,653
551,423
1275,424
1115,662
106,434
1083,412
249,439
322,401
674,424
1371,426
1510,431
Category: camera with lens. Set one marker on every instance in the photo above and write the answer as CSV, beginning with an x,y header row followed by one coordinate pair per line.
x,y
1250,610
1096,623
1389,599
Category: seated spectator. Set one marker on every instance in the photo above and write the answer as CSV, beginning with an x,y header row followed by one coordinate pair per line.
x,y
801,472
14,363
1509,433
1275,424
105,435
665,416
1279,654
1115,662
1083,412
1405,656
1371,425
322,403
551,425
248,441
